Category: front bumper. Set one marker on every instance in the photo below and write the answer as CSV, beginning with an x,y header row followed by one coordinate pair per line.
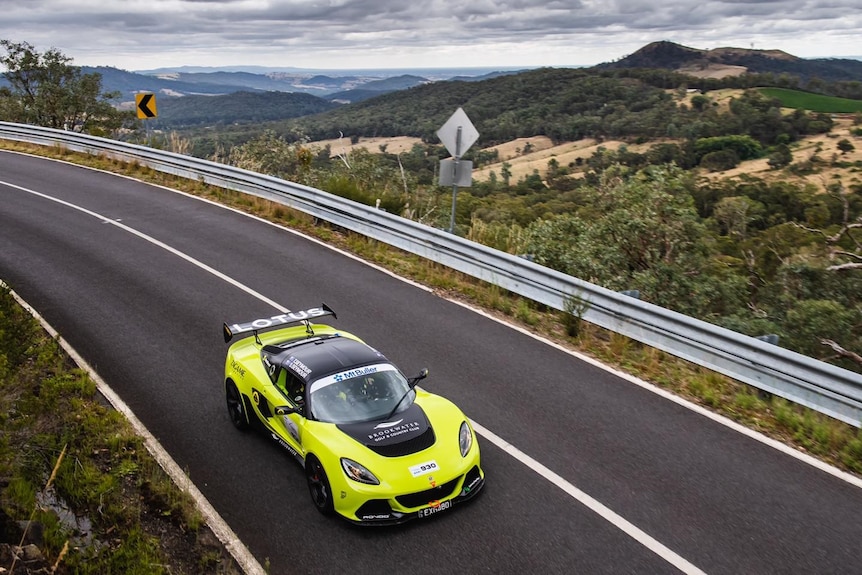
x,y
422,504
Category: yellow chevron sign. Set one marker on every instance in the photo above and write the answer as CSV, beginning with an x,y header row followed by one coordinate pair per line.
x,y
145,104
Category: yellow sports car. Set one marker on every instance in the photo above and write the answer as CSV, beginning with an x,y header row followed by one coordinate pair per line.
x,y
376,449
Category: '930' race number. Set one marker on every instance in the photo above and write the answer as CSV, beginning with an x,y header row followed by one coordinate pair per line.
x,y
424,468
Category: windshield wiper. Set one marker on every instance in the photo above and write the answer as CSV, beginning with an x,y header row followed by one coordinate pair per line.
x,y
411,383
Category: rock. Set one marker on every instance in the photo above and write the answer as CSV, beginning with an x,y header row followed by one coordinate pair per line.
x,y
31,554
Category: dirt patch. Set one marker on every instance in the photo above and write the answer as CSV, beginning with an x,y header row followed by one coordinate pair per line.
x,y
713,70
822,148
566,154
394,145
822,151
526,156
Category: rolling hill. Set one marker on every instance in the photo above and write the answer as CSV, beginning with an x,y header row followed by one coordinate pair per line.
x,y
737,61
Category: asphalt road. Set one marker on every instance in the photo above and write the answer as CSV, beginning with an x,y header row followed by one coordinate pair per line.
x,y
586,472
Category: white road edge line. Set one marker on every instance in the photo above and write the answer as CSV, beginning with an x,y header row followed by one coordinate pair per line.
x,y
219,527
592,504
699,409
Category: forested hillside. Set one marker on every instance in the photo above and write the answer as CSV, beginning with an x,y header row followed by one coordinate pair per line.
x,y
563,104
248,108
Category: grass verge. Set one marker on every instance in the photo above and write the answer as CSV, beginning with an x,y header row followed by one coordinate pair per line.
x,y
809,431
79,493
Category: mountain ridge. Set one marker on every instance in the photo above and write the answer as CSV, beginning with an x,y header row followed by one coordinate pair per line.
x,y
677,57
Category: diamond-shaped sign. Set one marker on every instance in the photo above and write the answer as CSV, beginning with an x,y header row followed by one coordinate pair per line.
x,y
449,133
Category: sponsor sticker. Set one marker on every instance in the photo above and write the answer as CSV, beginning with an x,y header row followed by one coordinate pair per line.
x,y
386,431
285,444
424,468
298,367
237,367
357,372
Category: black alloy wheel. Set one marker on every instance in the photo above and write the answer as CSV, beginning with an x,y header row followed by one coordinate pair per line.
x,y
318,486
234,406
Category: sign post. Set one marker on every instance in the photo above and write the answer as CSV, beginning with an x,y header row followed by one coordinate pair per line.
x,y
145,106
457,134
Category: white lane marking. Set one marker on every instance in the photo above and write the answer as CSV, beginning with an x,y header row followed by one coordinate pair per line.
x,y
214,521
155,242
592,504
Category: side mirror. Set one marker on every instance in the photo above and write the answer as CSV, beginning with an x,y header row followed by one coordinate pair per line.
x,y
285,410
422,375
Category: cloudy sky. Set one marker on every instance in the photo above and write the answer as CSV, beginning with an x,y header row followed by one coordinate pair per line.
x,y
344,34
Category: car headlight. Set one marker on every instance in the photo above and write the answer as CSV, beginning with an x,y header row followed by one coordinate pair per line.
x,y
465,439
357,472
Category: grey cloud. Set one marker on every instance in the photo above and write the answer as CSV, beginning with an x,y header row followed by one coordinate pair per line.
x,y
112,27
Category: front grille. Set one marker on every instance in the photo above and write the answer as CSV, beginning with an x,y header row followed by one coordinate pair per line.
x,y
374,507
423,498
414,445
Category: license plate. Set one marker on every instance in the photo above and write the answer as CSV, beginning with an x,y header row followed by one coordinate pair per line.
x,y
428,511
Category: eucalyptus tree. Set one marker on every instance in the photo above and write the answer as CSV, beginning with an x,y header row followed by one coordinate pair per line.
x,y
45,89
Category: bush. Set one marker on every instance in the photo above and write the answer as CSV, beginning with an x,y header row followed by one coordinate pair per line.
x,y
719,161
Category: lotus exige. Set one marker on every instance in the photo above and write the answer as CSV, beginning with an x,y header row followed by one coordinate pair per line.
x,y
376,449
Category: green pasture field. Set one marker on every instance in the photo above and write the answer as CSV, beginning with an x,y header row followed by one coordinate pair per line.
x,y
813,102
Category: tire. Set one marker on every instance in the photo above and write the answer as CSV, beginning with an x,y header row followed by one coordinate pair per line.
x,y
235,408
318,486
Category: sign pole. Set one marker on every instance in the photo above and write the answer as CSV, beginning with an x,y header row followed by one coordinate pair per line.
x,y
457,134
145,105
456,157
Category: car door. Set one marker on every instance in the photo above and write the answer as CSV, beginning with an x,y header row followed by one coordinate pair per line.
x,y
292,390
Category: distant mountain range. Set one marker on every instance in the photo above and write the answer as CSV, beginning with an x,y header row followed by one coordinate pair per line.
x,y
341,86
349,86
195,96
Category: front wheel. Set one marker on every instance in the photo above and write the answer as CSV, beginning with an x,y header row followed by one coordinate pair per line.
x,y
318,486
235,409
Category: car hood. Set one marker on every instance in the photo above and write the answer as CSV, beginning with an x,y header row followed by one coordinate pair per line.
x,y
404,433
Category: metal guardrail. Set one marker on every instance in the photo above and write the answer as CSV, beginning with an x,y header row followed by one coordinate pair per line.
x,y
821,386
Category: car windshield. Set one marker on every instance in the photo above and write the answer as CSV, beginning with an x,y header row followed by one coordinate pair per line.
x,y
360,394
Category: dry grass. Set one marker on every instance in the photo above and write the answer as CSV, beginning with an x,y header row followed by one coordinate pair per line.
x,y
395,145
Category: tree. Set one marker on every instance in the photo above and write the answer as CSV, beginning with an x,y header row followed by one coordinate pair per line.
x,y
637,230
812,322
845,146
735,213
719,161
506,173
844,246
700,102
46,90
781,157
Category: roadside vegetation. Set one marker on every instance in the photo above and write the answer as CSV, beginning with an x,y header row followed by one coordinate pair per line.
x,y
79,493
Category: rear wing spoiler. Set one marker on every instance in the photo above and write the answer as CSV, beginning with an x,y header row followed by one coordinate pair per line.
x,y
276,321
